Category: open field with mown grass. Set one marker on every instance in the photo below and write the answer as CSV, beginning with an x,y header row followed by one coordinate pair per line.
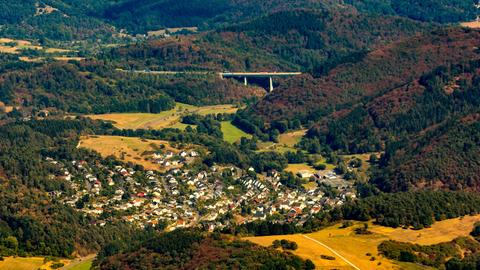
x,y
84,263
295,168
286,142
132,149
29,263
291,138
231,133
161,120
473,24
14,46
441,231
359,250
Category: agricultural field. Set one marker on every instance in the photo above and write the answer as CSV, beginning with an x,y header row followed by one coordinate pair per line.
x,y
360,251
14,46
29,263
473,24
84,263
127,149
166,119
231,133
286,142
289,139
295,168
441,231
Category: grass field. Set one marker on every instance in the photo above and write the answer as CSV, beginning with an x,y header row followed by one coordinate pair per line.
x,y
130,148
473,24
441,231
286,142
80,264
14,46
295,168
355,248
291,138
161,120
231,133
30,263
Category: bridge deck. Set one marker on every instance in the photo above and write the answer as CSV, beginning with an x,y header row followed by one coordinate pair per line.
x,y
259,74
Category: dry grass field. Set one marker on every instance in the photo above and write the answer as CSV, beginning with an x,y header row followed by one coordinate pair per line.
x,y
474,24
442,231
291,138
30,263
354,248
295,168
161,120
286,142
126,148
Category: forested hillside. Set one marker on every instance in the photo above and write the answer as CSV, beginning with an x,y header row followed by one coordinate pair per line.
x,y
96,87
190,249
32,222
378,72
311,41
443,11
75,20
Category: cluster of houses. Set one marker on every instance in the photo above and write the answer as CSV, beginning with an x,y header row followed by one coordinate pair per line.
x,y
169,159
182,197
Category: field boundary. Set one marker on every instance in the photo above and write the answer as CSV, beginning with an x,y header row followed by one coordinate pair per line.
x,y
332,250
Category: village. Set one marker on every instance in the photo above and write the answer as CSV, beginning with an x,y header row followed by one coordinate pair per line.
x,y
181,196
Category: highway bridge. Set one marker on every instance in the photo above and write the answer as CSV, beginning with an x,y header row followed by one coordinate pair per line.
x,y
269,75
223,75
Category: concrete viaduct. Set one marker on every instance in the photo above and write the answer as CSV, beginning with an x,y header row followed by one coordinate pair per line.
x,y
269,75
223,75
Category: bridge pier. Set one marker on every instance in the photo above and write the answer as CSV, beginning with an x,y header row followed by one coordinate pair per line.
x,y
271,84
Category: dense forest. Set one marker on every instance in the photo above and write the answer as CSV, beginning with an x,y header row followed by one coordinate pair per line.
x,y
32,222
94,87
92,20
311,41
188,249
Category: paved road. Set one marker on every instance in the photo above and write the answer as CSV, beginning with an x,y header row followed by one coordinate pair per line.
x,y
333,251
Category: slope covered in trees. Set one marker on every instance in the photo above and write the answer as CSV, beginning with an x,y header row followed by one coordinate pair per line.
x,y
95,87
380,71
190,249
74,20
154,14
306,40
31,221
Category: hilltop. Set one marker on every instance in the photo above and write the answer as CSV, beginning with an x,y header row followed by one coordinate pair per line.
x,y
89,20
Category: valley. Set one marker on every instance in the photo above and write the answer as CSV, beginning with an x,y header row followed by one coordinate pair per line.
x,y
222,134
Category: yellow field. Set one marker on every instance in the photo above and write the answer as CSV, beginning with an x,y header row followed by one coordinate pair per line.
x,y
306,249
474,24
31,263
161,120
68,58
441,231
286,142
295,168
354,247
130,148
291,138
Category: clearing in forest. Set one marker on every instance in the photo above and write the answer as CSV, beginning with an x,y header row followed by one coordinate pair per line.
x,y
165,119
233,134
